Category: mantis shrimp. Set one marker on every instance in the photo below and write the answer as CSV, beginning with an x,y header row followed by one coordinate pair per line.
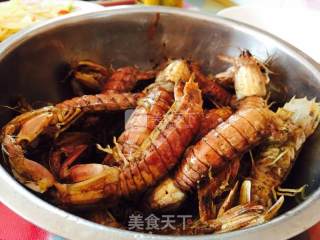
x,y
174,145
177,127
257,202
225,141
95,77
151,107
298,119
28,126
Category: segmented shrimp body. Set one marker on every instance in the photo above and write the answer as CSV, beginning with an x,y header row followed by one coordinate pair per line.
x,y
215,92
167,195
114,84
150,111
246,128
212,118
161,151
144,119
298,119
28,126
242,131
251,124
125,79
100,102
97,77
258,196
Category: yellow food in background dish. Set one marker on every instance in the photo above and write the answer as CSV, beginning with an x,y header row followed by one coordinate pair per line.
x,y
18,14
172,3
151,2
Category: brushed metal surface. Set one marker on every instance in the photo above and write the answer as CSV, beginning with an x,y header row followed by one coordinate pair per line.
x,y
34,62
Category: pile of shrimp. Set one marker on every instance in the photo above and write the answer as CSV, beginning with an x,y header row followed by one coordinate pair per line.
x,y
209,147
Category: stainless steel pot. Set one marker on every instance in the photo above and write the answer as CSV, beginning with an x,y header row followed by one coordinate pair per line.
x,y
33,63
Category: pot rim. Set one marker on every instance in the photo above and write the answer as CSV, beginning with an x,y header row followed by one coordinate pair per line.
x,y
64,224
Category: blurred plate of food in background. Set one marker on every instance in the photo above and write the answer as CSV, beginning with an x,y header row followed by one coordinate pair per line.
x,y
19,14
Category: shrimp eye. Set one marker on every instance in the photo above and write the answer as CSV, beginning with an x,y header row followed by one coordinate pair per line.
x,y
246,53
